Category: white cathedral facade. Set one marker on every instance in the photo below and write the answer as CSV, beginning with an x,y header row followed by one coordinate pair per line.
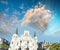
x,y
24,42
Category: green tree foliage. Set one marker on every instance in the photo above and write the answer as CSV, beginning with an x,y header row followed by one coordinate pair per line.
x,y
5,46
55,46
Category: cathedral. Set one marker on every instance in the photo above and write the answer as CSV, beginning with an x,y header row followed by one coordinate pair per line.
x,y
23,42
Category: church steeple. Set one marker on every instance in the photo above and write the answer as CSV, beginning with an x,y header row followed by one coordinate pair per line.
x,y
16,31
35,37
34,34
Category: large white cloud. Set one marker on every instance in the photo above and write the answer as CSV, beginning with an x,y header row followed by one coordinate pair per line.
x,y
38,17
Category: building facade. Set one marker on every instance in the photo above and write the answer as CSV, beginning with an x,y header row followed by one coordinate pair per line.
x,y
2,40
4,44
24,42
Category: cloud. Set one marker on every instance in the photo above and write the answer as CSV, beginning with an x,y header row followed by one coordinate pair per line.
x,y
15,12
53,33
4,2
7,9
37,17
4,23
2,15
14,19
23,12
18,13
7,25
21,6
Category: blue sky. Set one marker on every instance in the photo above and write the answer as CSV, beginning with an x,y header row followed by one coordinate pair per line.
x,y
26,15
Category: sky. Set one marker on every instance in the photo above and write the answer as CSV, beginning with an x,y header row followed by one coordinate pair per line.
x,y
40,16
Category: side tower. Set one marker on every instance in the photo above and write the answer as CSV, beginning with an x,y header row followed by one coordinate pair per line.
x,y
35,41
14,41
35,37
